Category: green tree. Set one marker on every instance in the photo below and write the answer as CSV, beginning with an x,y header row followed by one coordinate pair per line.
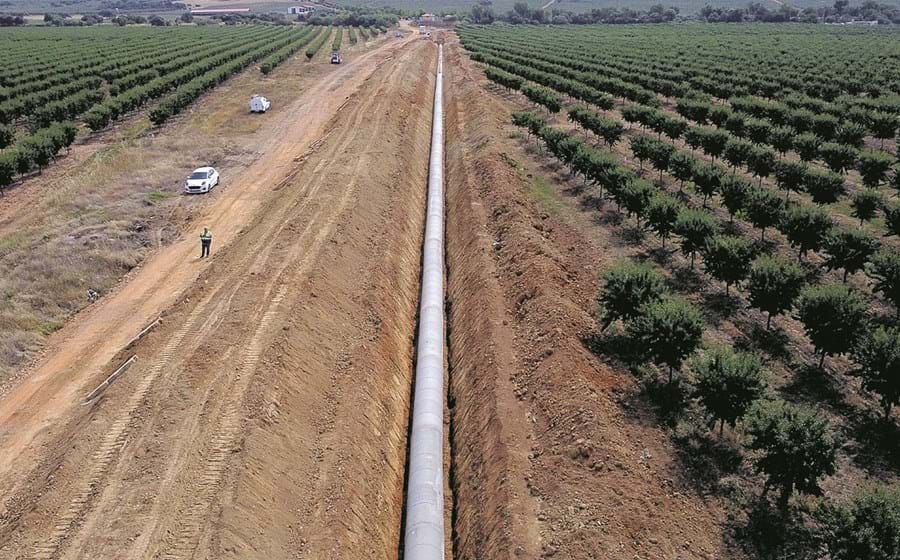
x,y
823,186
761,161
660,154
895,179
838,157
7,168
542,96
674,128
865,528
790,176
708,178
782,138
806,227
807,146
848,249
892,218
833,316
878,355
737,152
627,287
865,204
884,270
734,192
852,134
712,140
774,284
636,197
681,166
6,136
728,383
764,209
727,258
883,125
873,166
795,447
642,148
661,215
694,227
667,331
529,121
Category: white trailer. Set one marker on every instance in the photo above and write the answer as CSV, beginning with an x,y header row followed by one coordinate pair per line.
x,y
259,104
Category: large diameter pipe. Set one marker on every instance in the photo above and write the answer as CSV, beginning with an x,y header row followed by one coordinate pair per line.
x,y
424,537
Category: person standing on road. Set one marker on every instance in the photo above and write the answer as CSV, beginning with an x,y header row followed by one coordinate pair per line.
x,y
205,242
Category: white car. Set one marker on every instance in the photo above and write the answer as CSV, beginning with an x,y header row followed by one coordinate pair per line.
x,y
259,104
202,180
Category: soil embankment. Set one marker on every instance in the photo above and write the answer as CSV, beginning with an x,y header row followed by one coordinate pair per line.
x,y
549,454
266,416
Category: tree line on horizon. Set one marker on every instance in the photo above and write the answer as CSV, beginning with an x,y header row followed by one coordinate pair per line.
x,y
840,12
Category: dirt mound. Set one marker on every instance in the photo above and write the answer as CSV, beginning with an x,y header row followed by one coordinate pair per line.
x,y
603,480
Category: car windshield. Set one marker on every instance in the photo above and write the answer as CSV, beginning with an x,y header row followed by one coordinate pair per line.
x,y
198,175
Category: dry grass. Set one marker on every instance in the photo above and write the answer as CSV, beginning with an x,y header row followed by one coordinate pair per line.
x,y
93,222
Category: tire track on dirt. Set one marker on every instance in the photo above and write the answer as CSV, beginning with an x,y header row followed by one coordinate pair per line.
x,y
192,519
113,442
167,363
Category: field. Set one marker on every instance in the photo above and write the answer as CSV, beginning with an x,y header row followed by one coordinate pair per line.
x,y
716,136
670,279
54,80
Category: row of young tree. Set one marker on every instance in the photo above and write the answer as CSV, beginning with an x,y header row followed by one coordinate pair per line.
x,y
521,13
875,167
180,74
835,317
317,44
793,446
52,124
217,70
35,152
835,94
777,124
273,60
784,126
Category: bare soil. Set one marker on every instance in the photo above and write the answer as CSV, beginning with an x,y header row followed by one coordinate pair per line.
x,y
117,197
266,415
571,467
276,388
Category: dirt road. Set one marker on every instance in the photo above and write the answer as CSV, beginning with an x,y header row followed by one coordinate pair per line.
x,y
276,389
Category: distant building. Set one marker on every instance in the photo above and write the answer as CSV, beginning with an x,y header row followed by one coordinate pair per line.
x,y
429,19
297,10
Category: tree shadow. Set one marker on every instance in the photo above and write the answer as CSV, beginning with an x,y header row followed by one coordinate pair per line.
x,y
765,246
613,344
632,233
876,446
686,281
591,201
813,385
731,228
772,534
660,256
608,216
707,457
717,307
773,342
668,400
